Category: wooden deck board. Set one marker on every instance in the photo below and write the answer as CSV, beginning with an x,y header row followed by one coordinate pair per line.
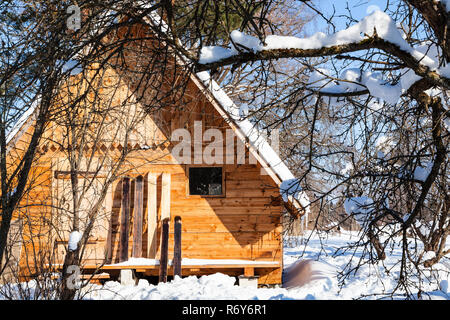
x,y
196,266
186,266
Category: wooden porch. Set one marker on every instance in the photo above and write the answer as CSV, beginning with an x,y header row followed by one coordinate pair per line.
x,y
143,234
110,272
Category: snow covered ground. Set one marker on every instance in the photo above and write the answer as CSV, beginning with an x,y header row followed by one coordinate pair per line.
x,y
370,282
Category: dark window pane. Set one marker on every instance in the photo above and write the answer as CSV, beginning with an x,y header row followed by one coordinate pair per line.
x,y
205,181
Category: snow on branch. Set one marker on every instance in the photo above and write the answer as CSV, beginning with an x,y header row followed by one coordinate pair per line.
x,y
419,174
291,191
378,23
378,30
353,81
74,238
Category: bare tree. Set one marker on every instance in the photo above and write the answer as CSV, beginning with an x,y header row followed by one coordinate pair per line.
x,y
368,104
384,91
107,82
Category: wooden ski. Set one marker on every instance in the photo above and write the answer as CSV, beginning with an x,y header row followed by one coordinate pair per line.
x,y
177,247
164,251
138,216
125,220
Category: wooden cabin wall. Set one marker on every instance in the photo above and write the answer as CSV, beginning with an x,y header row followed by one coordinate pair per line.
x,y
243,224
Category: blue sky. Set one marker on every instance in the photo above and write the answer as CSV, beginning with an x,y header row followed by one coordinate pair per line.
x,y
359,9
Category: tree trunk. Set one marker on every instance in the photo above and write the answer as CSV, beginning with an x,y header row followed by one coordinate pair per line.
x,y
4,230
68,290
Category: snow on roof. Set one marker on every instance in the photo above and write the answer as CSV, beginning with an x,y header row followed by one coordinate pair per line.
x,y
23,122
290,189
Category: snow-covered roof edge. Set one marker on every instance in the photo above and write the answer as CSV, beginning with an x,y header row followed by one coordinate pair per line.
x,y
22,124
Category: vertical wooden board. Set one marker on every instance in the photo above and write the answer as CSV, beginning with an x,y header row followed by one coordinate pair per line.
x,y
137,221
249,271
165,196
177,247
270,276
152,215
125,219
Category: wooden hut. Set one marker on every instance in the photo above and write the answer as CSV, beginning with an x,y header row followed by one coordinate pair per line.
x,y
230,211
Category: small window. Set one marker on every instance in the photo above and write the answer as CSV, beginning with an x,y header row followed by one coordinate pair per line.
x,y
205,181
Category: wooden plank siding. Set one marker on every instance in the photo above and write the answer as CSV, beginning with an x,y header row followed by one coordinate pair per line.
x,y
231,227
240,225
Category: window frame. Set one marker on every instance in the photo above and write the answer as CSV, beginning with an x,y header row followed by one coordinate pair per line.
x,y
188,195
